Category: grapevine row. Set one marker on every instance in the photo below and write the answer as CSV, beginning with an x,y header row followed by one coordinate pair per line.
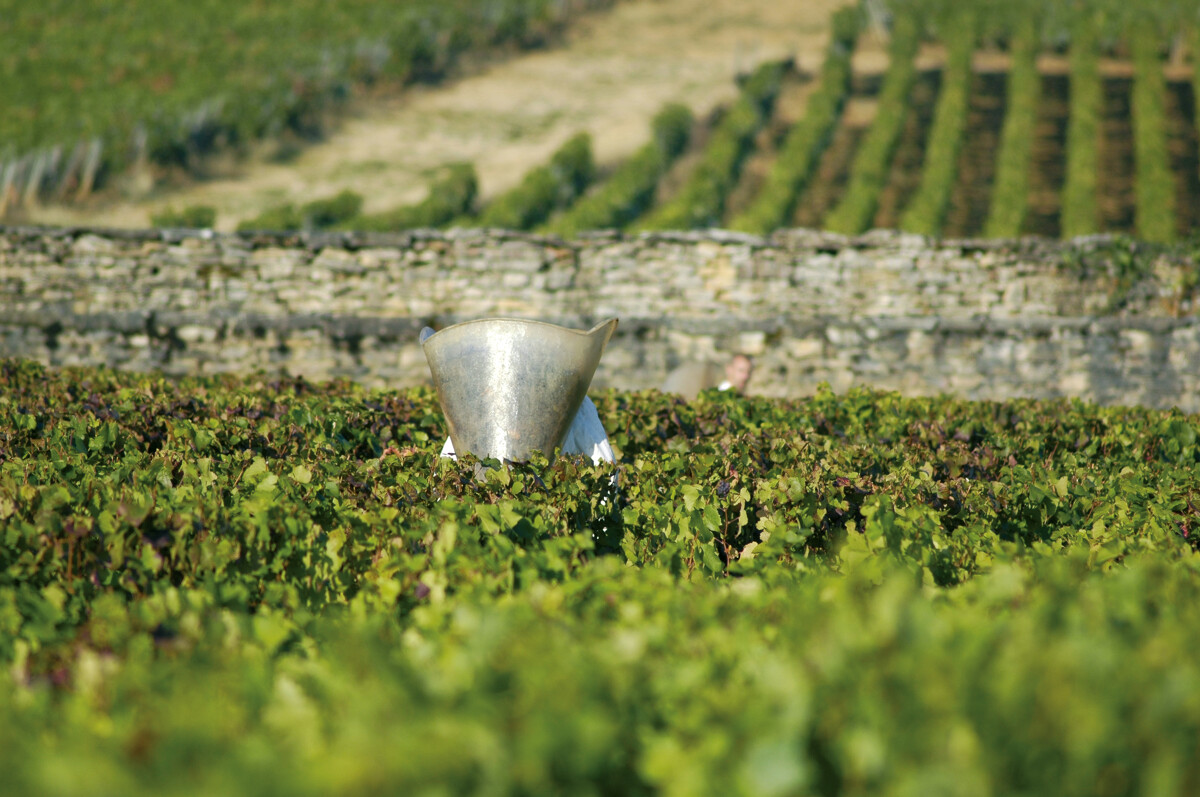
x,y
1194,43
701,201
1155,189
928,207
841,594
1079,210
319,214
451,196
854,213
1010,190
544,189
629,191
797,160
451,200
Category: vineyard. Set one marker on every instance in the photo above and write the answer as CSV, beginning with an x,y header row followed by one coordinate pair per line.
x,y
265,588
989,119
993,119
257,585
92,90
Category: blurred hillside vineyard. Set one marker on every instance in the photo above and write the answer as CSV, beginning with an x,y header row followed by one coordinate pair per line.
x,y
985,118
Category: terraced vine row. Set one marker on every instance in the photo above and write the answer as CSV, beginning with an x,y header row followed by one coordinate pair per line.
x,y
629,192
1080,212
1155,219
856,209
926,209
798,157
1047,173
1183,143
700,202
1010,196
975,180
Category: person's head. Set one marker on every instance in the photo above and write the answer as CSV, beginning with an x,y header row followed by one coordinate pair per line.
x,y
738,370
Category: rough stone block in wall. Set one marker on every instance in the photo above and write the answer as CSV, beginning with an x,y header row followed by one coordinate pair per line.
x,y
983,319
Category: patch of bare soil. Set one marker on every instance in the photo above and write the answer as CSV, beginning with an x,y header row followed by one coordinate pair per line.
x,y
904,178
828,183
612,75
1115,176
1185,155
1048,159
789,107
971,197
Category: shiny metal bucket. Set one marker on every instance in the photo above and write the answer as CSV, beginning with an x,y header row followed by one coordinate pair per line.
x,y
510,387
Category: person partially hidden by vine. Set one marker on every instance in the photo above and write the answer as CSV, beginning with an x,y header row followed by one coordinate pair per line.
x,y
689,379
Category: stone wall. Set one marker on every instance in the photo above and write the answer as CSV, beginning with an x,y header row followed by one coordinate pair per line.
x,y
980,319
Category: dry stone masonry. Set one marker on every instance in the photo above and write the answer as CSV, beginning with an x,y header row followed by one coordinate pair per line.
x,y
979,319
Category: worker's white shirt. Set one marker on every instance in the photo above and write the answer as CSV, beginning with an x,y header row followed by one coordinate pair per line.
x,y
586,436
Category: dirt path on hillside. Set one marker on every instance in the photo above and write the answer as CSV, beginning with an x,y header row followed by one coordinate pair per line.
x,y
612,75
